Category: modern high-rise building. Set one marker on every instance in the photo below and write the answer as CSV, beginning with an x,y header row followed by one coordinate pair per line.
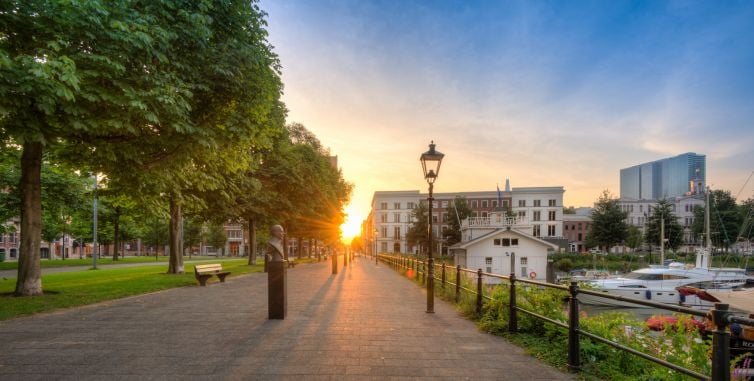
x,y
682,175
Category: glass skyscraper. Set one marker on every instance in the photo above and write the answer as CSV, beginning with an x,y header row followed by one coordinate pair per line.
x,y
676,176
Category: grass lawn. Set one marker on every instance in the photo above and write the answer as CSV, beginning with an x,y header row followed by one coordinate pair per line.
x,y
47,263
78,288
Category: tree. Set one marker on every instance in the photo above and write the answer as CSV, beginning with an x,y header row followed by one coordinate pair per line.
x,y
634,238
417,231
673,230
608,223
725,219
458,212
214,235
569,210
746,211
72,74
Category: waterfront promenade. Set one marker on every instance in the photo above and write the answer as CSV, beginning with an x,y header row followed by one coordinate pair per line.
x,y
365,323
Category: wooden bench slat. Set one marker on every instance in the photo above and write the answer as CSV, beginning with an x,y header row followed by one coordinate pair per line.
x,y
204,272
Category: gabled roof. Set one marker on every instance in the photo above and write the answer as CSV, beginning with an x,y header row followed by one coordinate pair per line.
x,y
465,245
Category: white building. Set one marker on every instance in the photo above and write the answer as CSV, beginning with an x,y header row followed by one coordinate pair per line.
x,y
502,245
639,212
390,217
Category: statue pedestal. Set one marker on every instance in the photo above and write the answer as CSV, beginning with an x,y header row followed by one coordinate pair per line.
x,y
277,289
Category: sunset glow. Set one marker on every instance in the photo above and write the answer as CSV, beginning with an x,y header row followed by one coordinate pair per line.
x,y
545,94
352,226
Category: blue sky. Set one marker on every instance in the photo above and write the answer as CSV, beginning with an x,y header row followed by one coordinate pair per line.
x,y
545,93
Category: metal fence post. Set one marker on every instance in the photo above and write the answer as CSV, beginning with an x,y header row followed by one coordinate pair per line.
x,y
443,275
720,343
574,362
479,291
512,315
458,283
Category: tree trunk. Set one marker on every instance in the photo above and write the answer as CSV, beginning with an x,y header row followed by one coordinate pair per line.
x,y
176,259
252,240
116,235
311,243
29,280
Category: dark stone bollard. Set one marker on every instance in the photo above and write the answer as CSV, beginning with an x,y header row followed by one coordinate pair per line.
x,y
334,263
345,260
277,289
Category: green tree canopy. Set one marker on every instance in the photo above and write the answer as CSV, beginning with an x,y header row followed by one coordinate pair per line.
x,y
673,230
417,231
459,210
725,219
608,226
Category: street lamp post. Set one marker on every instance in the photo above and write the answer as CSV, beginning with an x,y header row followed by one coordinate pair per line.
x,y
376,258
431,161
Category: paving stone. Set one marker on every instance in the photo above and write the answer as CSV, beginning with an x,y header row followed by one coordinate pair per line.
x,y
365,323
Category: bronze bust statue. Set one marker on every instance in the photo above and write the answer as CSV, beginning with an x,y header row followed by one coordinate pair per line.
x,y
275,246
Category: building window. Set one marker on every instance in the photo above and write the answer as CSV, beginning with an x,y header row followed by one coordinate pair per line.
x,y
484,214
473,203
445,217
523,272
444,204
484,203
521,203
535,230
397,232
396,217
488,263
579,237
383,247
397,205
506,242
551,230
496,242
383,217
565,227
494,204
537,215
410,205
13,237
537,203
384,232
524,261
551,215
505,203
552,203
522,213
473,215
383,205
434,218
514,242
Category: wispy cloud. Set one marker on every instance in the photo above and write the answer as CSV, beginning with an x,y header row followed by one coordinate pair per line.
x,y
546,94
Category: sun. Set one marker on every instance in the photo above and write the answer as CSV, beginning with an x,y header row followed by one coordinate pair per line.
x,y
351,227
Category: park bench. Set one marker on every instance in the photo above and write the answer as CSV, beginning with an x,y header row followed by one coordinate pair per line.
x,y
204,272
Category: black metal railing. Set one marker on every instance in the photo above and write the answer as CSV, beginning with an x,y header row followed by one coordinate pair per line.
x,y
720,314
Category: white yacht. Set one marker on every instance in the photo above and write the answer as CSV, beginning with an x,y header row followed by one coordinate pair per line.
x,y
662,283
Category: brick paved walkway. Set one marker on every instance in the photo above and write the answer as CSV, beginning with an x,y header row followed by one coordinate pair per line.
x,y
366,323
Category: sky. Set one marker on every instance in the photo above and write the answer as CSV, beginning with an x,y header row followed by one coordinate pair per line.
x,y
544,93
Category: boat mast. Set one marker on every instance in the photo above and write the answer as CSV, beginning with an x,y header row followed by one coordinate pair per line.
x,y
704,253
708,243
